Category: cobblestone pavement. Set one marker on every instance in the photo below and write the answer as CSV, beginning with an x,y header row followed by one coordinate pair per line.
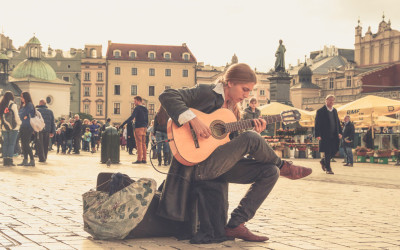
x,y
357,208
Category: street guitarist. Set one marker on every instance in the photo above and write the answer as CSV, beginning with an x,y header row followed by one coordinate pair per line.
x,y
227,162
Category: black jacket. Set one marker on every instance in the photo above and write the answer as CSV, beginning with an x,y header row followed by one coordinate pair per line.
x,y
322,128
48,118
249,114
77,130
348,134
176,190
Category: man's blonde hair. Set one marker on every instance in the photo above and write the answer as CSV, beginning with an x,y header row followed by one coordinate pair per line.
x,y
329,96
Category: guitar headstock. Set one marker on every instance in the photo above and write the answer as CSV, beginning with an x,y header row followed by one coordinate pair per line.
x,y
290,116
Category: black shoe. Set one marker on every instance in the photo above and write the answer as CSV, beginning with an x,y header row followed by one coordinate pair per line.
x,y
329,172
137,162
346,164
144,161
30,164
350,165
23,163
322,164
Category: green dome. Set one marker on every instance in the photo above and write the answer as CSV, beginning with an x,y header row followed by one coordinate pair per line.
x,y
34,40
34,68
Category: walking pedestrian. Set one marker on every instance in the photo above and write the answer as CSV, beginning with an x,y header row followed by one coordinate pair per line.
x,y
77,134
10,124
140,116
348,140
43,137
160,129
95,131
328,132
26,111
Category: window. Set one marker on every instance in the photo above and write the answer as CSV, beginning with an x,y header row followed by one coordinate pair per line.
x,y
134,71
151,109
348,81
185,73
66,78
87,76
117,70
294,81
167,56
86,91
152,55
152,72
117,108
86,108
99,91
167,72
99,109
49,99
151,90
186,56
262,92
99,76
331,83
132,107
132,54
117,89
133,89
117,53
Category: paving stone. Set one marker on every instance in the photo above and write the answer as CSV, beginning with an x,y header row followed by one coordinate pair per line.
x,y
44,205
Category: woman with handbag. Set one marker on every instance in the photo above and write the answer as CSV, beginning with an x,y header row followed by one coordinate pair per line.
x,y
26,111
10,124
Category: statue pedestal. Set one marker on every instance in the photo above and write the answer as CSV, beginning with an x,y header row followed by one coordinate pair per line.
x,y
279,88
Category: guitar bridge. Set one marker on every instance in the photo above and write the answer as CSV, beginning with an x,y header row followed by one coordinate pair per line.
x,y
195,140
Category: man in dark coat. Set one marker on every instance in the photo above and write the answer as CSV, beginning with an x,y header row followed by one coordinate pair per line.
x,y
348,140
77,134
328,132
43,137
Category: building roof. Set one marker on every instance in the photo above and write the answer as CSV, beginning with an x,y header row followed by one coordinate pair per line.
x,y
35,68
305,85
325,65
143,49
34,40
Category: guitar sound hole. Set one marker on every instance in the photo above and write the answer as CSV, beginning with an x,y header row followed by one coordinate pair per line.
x,y
218,129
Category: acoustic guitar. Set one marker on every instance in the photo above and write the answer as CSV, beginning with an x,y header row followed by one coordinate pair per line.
x,y
190,150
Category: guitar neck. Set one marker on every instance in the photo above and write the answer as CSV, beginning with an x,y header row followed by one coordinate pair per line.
x,y
247,124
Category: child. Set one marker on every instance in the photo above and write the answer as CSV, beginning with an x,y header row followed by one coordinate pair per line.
x,y
87,137
60,138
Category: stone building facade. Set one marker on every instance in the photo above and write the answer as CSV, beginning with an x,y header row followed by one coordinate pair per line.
x,y
144,70
93,90
375,70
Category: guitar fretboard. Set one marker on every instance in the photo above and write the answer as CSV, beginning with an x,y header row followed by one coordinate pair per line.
x,y
246,124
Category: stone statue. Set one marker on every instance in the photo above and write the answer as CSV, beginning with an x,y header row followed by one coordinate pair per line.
x,y
280,58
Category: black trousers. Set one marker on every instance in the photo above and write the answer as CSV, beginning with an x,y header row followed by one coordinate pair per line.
x,y
42,145
77,143
329,154
26,134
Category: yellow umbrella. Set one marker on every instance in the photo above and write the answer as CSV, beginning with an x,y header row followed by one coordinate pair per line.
x,y
369,105
275,108
380,121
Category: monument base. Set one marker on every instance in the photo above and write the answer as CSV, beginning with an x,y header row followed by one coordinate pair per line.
x,y
279,88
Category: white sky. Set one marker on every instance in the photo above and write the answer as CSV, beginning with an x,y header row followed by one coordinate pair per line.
x,y
213,29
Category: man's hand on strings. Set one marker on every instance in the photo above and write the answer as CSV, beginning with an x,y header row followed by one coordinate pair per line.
x,y
260,125
200,128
